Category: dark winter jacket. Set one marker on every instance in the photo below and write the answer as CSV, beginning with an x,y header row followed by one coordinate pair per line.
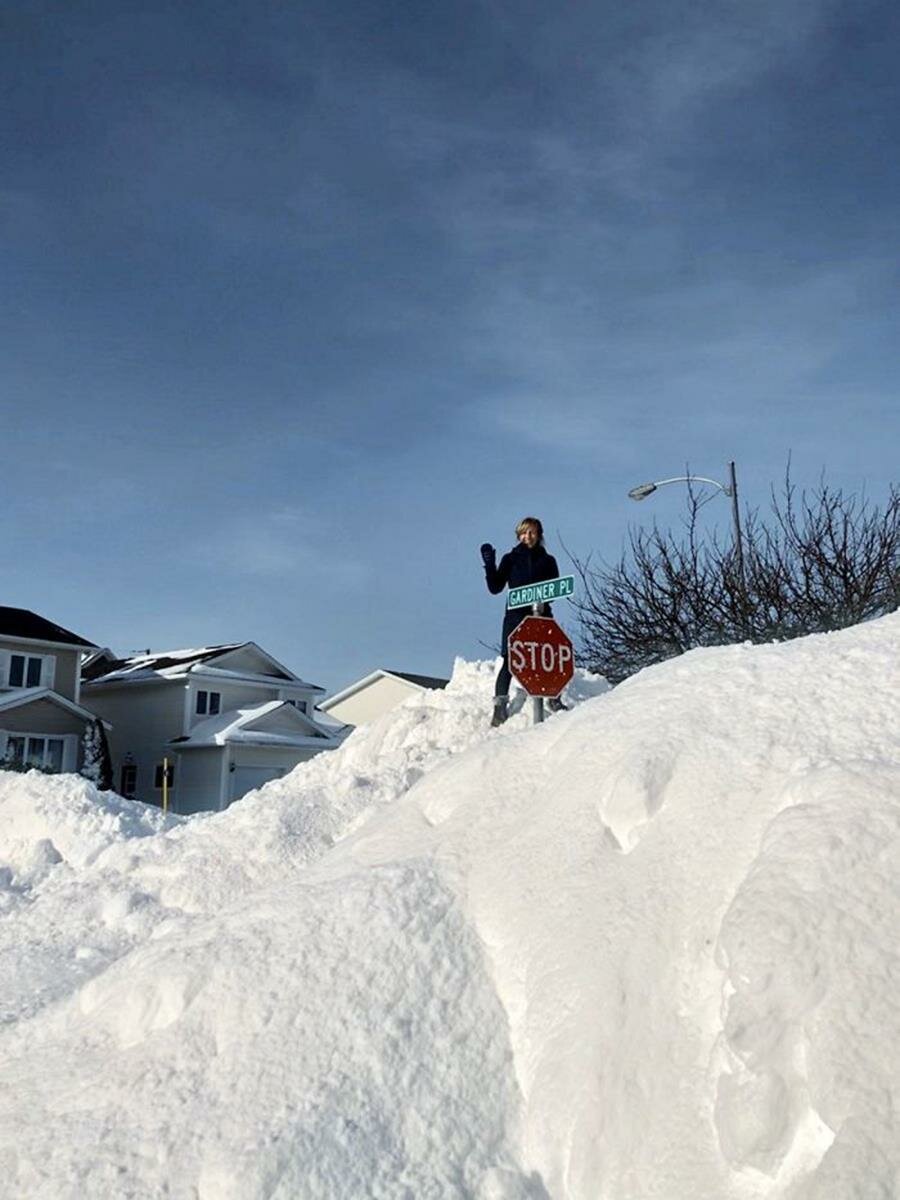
x,y
520,567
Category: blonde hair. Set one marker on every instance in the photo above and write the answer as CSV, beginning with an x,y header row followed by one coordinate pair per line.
x,y
534,523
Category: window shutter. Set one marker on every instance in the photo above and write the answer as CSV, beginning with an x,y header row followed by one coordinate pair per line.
x,y
4,668
48,671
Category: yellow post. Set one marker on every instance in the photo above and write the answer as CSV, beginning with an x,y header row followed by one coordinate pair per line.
x,y
165,782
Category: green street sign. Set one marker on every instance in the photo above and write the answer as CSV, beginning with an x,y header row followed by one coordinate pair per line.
x,y
540,593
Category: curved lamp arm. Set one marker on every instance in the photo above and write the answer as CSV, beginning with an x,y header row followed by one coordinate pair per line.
x,y
643,490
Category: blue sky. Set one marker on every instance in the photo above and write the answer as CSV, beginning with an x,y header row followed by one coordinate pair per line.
x,y
302,302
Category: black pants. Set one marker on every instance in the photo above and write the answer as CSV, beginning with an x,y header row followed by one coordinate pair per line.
x,y
512,618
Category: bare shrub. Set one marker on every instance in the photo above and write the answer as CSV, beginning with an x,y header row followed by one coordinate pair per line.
x,y
821,560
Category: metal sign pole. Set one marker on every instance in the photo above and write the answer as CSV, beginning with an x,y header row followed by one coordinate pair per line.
x,y
538,700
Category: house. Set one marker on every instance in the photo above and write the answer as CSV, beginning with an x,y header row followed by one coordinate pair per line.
x,y
226,718
377,693
42,721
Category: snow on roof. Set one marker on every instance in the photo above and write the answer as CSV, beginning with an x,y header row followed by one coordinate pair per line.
x,y
335,727
166,656
175,664
234,726
166,663
22,623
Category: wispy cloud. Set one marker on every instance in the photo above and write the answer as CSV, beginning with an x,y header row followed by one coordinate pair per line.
x,y
729,352
285,543
706,51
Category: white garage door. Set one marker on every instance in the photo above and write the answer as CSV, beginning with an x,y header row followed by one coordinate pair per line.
x,y
245,779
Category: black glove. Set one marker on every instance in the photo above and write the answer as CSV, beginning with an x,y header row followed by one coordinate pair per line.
x,y
488,555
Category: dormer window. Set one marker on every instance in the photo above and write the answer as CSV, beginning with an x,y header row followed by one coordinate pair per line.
x,y
208,703
300,705
25,670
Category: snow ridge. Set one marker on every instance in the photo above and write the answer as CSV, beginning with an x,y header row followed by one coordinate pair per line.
x,y
645,950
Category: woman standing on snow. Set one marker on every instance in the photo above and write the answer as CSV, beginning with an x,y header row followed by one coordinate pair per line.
x,y
527,562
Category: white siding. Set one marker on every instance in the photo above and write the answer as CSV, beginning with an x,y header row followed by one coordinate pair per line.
x,y
143,719
248,660
373,700
282,721
242,695
233,696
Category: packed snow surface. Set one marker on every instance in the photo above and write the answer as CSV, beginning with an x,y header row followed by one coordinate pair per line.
x,y
645,950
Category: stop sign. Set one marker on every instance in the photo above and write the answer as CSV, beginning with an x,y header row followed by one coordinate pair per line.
x,y
541,656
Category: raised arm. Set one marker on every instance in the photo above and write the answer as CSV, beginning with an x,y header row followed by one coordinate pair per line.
x,y
495,577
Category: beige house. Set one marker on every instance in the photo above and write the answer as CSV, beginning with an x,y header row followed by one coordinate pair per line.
x,y
376,694
42,720
226,719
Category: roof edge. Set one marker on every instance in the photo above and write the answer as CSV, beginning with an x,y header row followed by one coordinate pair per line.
x,y
34,694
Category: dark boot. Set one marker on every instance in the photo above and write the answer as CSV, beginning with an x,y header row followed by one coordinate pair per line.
x,y
556,705
501,710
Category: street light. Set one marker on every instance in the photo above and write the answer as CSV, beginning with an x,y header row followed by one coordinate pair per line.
x,y
643,490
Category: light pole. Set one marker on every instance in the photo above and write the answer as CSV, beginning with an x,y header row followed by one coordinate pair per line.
x,y
643,490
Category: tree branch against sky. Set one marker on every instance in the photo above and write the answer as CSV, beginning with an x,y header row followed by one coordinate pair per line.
x,y
818,561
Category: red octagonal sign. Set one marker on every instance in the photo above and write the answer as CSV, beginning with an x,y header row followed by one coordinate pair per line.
x,y
541,656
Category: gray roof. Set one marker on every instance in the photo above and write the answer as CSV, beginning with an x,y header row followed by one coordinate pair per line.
x,y
22,623
426,681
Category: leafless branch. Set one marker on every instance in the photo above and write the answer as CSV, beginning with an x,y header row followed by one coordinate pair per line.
x,y
823,560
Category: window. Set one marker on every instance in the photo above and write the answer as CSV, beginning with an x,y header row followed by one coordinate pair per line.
x,y
170,776
128,783
31,750
208,702
300,705
25,670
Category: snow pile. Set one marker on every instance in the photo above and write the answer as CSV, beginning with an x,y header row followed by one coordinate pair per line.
x,y
811,1029
645,950
68,817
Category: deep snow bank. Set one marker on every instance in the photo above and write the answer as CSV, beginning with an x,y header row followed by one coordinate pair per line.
x,y
646,950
